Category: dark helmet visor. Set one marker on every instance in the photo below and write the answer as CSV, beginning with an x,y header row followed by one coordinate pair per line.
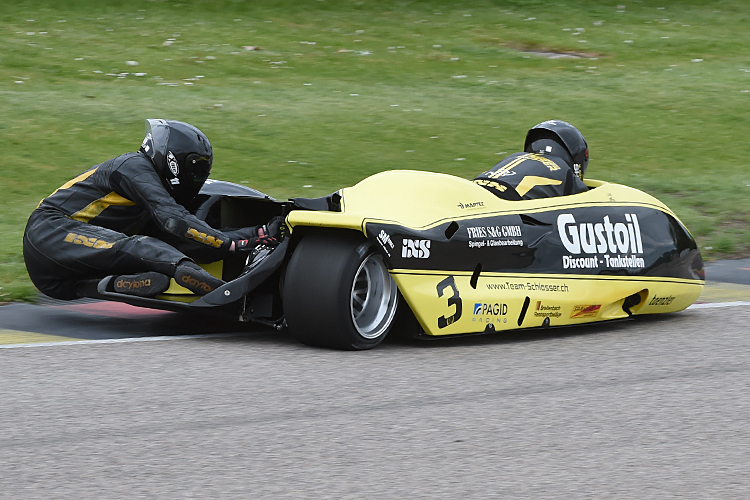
x,y
198,168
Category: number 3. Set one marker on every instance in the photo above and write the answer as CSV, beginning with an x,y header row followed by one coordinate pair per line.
x,y
453,300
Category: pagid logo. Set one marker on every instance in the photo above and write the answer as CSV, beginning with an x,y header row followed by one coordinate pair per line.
x,y
495,309
490,313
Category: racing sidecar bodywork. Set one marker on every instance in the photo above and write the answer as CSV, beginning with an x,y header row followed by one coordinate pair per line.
x,y
466,261
458,258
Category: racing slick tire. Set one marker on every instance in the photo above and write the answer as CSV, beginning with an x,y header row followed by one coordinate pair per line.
x,y
337,292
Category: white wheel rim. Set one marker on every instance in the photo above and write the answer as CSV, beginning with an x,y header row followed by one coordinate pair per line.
x,y
373,298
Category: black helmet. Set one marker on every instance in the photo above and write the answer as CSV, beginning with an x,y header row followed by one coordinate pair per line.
x,y
554,136
181,154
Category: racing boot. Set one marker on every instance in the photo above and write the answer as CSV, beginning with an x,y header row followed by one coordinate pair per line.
x,y
148,284
195,278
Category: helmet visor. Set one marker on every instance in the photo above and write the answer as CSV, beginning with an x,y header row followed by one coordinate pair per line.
x,y
155,143
198,168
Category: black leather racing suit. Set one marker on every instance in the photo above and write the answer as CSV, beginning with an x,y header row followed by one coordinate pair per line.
x,y
93,225
527,176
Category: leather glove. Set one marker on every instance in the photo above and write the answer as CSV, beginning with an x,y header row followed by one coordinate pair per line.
x,y
247,238
275,228
249,244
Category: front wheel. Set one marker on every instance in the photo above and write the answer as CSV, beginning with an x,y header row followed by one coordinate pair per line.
x,y
338,292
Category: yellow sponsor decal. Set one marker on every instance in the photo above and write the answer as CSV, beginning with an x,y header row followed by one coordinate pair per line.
x,y
530,181
546,161
507,169
92,242
491,184
585,311
203,238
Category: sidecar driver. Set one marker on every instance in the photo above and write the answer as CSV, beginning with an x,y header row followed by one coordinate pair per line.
x,y
553,163
96,224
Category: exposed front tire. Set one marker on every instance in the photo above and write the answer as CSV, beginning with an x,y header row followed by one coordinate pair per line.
x,y
338,292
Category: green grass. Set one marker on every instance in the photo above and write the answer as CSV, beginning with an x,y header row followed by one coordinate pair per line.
x,y
343,89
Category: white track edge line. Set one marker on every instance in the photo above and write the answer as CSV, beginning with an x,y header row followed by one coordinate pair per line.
x,y
713,305
122,341
708,305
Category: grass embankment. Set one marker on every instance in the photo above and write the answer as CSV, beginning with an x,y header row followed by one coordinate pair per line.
x,y
300,99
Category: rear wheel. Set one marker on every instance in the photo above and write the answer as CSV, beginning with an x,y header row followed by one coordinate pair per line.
x,y
338,292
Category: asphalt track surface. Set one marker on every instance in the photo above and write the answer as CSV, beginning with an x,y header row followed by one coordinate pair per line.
x,y
160,405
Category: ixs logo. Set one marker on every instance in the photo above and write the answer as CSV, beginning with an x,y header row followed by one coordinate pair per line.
x,y
415,249
88,241
203,238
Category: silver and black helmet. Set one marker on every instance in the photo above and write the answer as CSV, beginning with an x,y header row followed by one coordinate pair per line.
x,y
559,138
181,154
